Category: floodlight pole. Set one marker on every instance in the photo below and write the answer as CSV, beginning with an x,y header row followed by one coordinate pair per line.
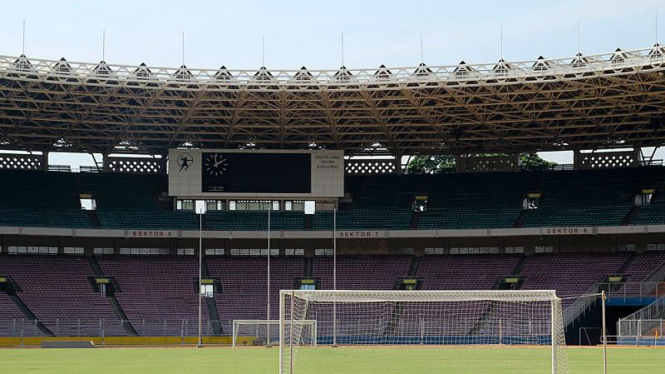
x,y
501,42
200,344
23,39
334,344
342,49
604,334
268,285
183,48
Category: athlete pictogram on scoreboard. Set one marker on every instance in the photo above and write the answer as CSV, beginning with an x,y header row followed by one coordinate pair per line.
x,y
185,160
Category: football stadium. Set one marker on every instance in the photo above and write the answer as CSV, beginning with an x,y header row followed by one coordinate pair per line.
x,y
386,220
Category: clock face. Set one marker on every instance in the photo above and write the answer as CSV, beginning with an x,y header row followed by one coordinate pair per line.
x,y
215,164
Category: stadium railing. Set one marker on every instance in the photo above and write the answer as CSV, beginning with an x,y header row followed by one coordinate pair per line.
x,y
637,291
18,328
641,341
579,306
646,322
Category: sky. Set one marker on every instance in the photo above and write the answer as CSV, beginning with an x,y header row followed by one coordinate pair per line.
x,y
308,33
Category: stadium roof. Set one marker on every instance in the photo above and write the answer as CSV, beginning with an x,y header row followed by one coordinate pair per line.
x,y
585,102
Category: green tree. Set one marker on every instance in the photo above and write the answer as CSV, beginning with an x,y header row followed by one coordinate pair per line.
x,y
532,161
432,164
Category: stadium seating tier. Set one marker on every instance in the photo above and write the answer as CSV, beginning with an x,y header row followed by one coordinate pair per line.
x,y
380,202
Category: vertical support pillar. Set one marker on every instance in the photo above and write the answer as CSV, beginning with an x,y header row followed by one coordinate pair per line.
x,y
105,163
577,160
45,160
398,165
163,162
637,153
516,162
88,249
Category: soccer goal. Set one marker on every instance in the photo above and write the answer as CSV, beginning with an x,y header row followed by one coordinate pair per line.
x,y
264,332
422,332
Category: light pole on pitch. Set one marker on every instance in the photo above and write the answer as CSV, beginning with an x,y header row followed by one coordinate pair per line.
x,y
200,210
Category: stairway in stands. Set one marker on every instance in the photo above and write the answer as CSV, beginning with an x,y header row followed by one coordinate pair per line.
x,y
415,265
213,312
113,301
525,212
636,209
29,315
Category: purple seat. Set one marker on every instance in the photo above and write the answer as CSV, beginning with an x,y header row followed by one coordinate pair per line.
x,y
158,292
57,290
361,272
465,272
244,285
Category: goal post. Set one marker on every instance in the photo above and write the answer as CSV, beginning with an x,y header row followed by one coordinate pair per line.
x,y
402,332
266,332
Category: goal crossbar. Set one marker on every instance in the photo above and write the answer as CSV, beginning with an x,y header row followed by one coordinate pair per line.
x,y
357,296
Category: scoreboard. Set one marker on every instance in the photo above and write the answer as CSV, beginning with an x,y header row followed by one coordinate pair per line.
x,y
255,173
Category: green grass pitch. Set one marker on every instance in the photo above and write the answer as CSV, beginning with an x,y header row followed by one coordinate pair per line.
x,y
366,360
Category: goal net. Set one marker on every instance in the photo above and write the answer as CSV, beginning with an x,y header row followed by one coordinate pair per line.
x,y
404,332
266,332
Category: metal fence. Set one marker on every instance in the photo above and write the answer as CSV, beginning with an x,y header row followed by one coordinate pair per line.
x,y
19,328
636,290
647,321
641,328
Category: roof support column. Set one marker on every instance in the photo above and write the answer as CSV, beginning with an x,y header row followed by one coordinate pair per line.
x,y
105,162
516,162
163,162
45,160
577,160
458,164
639,160
398,164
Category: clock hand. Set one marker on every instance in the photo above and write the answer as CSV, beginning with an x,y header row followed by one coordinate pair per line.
x,y
219,162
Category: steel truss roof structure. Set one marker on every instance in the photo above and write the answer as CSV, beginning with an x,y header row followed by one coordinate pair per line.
x,y
584,102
